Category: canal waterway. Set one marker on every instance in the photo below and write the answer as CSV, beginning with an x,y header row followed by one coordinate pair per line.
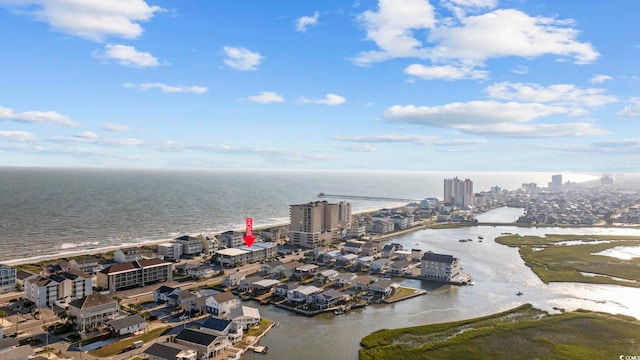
x,y
498,272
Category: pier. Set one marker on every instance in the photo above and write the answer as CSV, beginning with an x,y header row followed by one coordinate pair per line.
x,y
368,198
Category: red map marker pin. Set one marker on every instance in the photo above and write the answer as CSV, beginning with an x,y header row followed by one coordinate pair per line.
x,y
249,238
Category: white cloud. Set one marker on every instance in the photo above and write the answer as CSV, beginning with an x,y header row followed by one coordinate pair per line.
x,y
116,127
127,56
560,94
17,136
599,79
241,58
89,137
266,97
631,110
167,88
408,138
520,70
91,19
461,7
361,148
392,28
446,72
37,117
305,21
330,99
534,130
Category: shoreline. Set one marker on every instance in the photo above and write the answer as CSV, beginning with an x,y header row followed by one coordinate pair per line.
x,y
107,249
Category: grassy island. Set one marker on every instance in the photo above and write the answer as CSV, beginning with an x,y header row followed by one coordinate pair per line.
x,y
554,261
520,333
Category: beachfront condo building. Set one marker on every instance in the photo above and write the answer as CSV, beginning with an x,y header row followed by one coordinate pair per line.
x,y
313,224
58,288
344,214
171,250
245,255
459,192
439,267
7,279
191,245
135,274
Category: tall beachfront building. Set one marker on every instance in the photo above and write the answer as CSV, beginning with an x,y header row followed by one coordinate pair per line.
x,y
556,182
459,192
313,224
344,214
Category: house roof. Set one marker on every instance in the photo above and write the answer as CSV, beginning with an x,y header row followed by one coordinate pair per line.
x,y
182,295
331,294
216,324
196,337
152,262
307,267
383,283
441,258
364,279
95,299
292,265
308,290
22,275
246,311
223,297
252,279
329,272
142,263
401,263
288,286
8,342
164,289
347,276
266,283
126,322
166,350
16,353
382,261
86,261
388,248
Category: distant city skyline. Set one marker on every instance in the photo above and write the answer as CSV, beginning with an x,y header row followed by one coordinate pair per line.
x,y
474,85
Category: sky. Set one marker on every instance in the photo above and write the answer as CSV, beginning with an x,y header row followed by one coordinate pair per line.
x,y
474,85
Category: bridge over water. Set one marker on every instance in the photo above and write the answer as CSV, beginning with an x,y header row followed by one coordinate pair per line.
x,y
369,198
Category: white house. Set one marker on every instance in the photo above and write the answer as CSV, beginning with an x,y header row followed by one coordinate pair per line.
x,y
385,287
127,255
200,271
127,325
220,327
171,250
233,279
283,288
381,265
245,316
220,305
303,294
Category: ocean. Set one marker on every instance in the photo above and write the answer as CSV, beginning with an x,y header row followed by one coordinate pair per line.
x,y
62,211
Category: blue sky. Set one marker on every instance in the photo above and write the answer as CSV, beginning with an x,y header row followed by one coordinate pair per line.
x,y
478,85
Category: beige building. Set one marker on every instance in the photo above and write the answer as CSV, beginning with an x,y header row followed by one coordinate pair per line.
x,y
93,311
313,224
135,274
58,288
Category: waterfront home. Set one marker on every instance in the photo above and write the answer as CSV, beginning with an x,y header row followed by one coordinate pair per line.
x,y
269,267
205,344
403,254
170,250
364,261
400,266
263,286
181,298
384,287
86,265
161,294
282,289
61,287
306,271
303,294
371,247
345,279
357,229
127,325
221,304
245,316
197,305
346,260
247,283
191,245
232,279
200,271
353,247
327,275
126,255
389,250
439,267
287,269
416,254
93,311
170,351
381,265
220,327
362,282
328,298
330,256
135,274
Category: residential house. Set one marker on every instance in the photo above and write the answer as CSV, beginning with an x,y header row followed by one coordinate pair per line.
x,y
328,298
245,316
200,271
287,269
303,294
231,239
362,282
364,261
382,226
127,325
381,265
353,247
127,255
306,271
93,311
170,351
327,275
191,245
233,279
181,298
371,247
346,260
389,250
196,305
439,267
416,254
7,279
403,254
282,289
268,268
205,344
357,230
400,221
345,279
221,304
400,266
384,287
161,294
170,250
331,256
86,265
318,253
10,349
220,327
135,274
22,276
263,286
247,283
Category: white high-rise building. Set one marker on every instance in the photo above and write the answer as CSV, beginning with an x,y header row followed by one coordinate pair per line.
x,y
344,214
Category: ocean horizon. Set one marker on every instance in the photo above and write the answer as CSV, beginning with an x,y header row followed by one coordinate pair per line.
x,y
66,211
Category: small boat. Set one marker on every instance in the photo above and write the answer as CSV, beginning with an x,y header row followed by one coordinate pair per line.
x,y
480,237
519,293
338,311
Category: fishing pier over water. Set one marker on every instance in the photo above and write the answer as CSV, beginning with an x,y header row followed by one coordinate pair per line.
x,y
369,198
